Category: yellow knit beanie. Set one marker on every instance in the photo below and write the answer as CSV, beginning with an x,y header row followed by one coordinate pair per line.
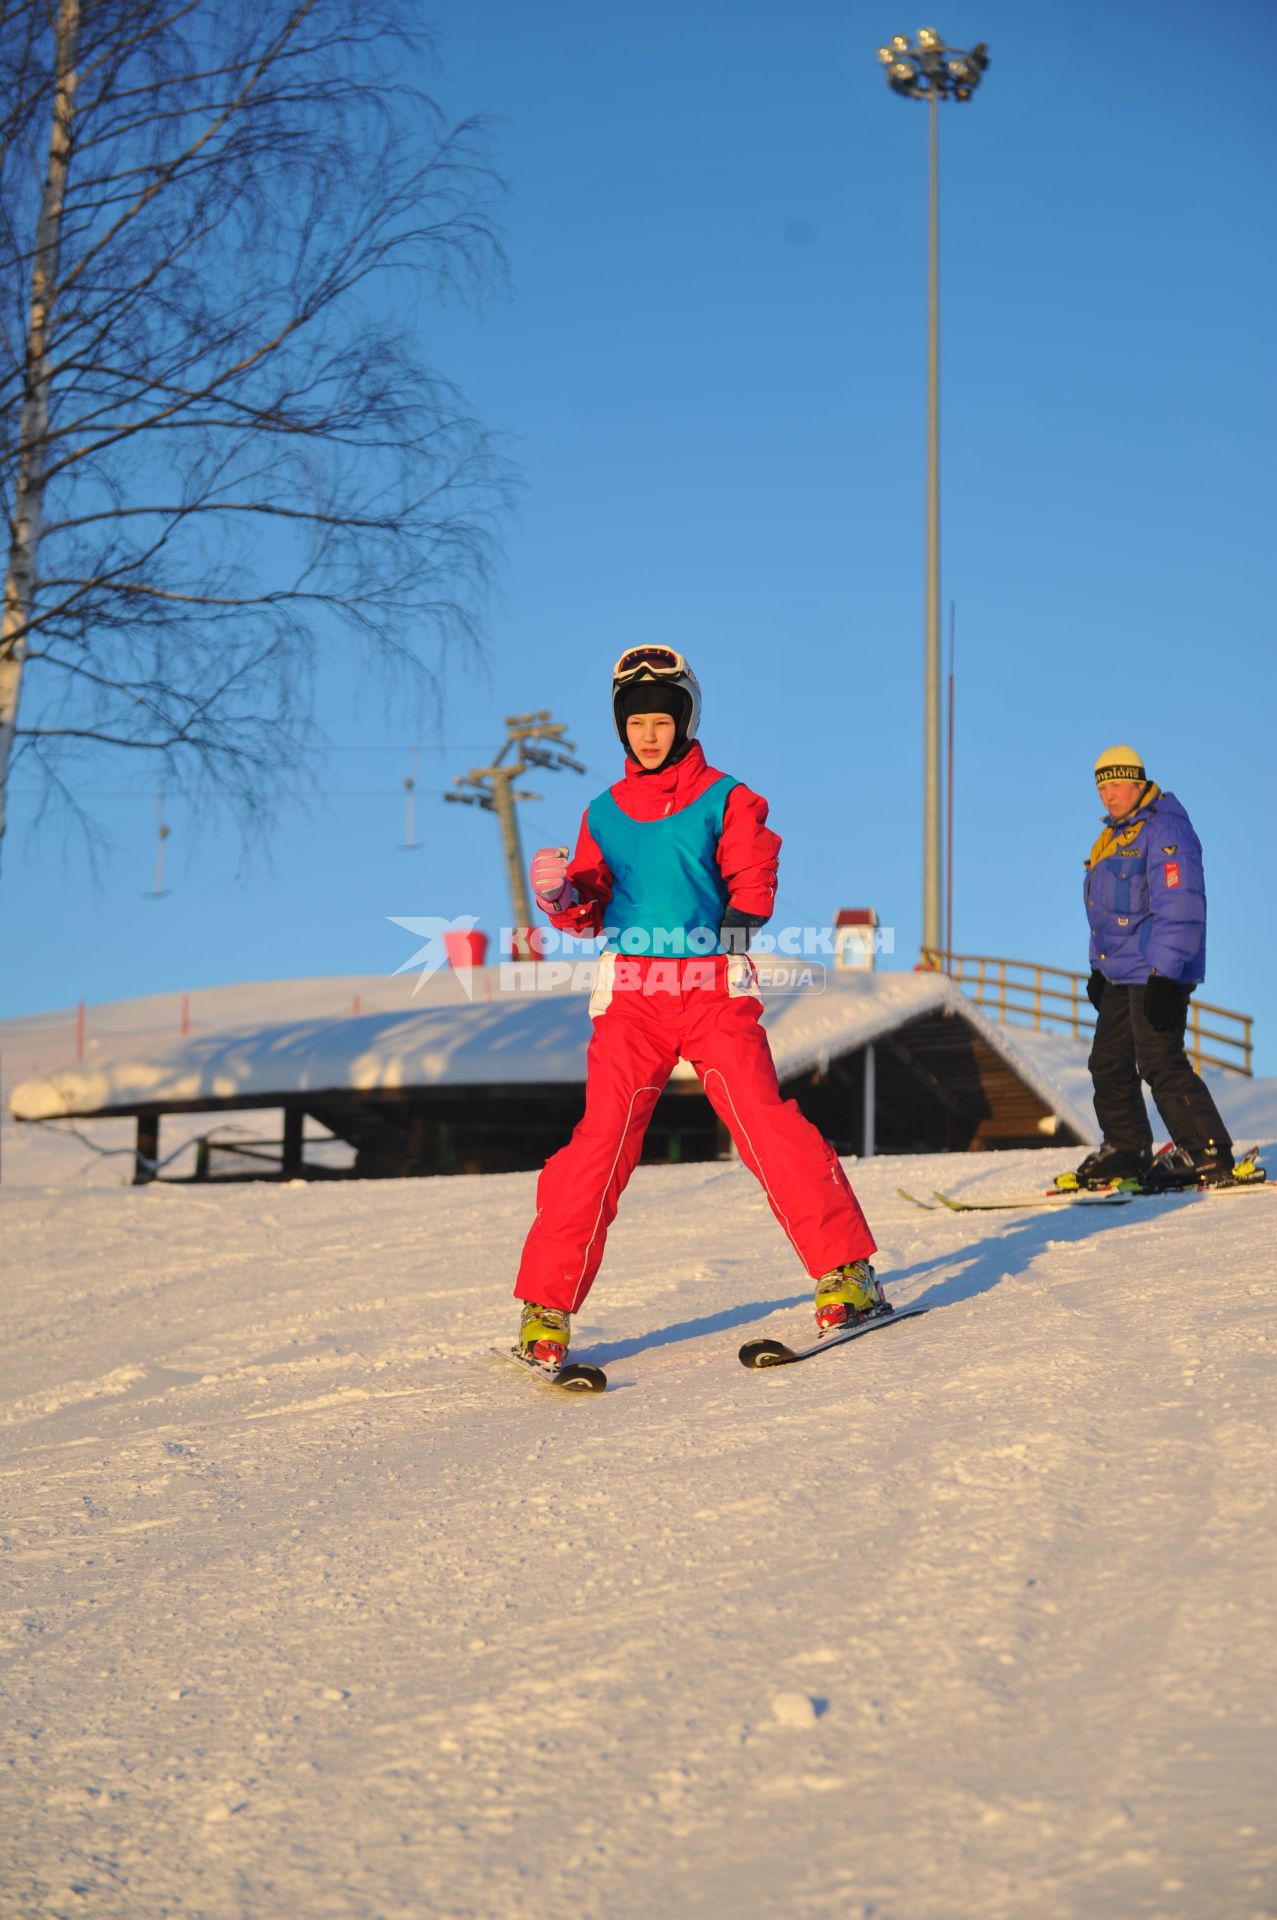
x,y
1119,763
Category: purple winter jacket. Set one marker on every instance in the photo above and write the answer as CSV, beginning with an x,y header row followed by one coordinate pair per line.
x,y
1145,895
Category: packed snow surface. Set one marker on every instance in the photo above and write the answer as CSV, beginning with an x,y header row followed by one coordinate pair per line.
x,y
318,1611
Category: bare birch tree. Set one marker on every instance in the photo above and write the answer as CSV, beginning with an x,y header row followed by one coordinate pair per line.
x,y
218,448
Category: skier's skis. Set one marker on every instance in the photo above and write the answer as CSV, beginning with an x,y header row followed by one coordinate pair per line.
x,y
573,1376
774,1353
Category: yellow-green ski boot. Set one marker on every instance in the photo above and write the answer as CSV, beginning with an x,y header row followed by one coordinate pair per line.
x,y
850,1293
544,1333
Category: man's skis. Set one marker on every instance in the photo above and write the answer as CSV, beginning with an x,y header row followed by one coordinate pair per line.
x,y
1077,1197
1084,1199
573,1376
774,1353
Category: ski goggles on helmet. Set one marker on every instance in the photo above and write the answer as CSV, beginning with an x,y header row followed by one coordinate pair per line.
x,y
663,663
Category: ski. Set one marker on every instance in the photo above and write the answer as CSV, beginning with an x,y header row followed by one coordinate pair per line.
x,y
1248,1173
572,1377
774,1353
914,1201
1115,1196
1009,1206
1083,1198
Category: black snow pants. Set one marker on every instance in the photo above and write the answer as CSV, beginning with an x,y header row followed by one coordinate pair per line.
x,y
1127,1050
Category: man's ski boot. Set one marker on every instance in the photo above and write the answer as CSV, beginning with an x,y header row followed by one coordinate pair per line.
x,y
1177,1169
544,1333
847,1294
1123,1168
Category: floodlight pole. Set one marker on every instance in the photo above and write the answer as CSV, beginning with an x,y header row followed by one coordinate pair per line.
x,y
931,879
932,72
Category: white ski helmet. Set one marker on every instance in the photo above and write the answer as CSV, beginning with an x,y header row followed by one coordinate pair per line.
x,y
656,679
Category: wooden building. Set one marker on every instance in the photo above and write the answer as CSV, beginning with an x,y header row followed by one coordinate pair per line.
x,y
491,1079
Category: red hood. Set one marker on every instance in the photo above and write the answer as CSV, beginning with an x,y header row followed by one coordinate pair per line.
x,y
651,796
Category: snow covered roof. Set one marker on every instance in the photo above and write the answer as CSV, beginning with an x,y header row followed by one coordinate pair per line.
x,y
535,1036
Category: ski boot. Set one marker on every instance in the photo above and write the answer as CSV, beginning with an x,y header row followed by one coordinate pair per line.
x,y
1122,1168
544,1333
847,1294
1176,1169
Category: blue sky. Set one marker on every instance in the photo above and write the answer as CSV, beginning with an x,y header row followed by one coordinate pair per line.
x,y
709,366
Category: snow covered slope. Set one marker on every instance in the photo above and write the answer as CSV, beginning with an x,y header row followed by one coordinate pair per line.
x,y
316,1609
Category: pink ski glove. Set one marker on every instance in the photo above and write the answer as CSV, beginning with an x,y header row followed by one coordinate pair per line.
x,y
549,873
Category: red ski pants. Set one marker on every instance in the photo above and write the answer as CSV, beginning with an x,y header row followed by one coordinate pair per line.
x,y
637,1040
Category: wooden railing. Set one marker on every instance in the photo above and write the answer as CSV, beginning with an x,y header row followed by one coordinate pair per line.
x,y
1051,999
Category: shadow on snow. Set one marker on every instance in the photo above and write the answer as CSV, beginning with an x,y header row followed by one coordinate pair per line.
x,y
982,1266
991,1260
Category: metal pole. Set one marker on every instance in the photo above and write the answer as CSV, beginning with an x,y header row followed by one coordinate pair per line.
x,y
503,801
931,891
867,1140
162,833
493,789
948,813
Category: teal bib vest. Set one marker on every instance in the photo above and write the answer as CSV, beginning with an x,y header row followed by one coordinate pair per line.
x,y
668,895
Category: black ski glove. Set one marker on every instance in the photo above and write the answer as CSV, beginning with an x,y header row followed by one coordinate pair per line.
x,y
738,929
1165,1003
1095,988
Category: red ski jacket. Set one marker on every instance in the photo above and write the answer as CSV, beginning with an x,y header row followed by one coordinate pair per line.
x,y
746,854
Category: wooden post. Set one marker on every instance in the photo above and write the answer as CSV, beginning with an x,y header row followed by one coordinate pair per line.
x,y
79,1030
868,1142
148,1148
291,1159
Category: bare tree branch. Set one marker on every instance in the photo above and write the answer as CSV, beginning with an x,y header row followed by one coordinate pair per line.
x,y
218,447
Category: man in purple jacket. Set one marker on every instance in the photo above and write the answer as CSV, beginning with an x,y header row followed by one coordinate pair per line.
x,y
1146,903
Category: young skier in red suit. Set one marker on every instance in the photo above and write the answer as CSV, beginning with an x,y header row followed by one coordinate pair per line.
x,y
676,865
